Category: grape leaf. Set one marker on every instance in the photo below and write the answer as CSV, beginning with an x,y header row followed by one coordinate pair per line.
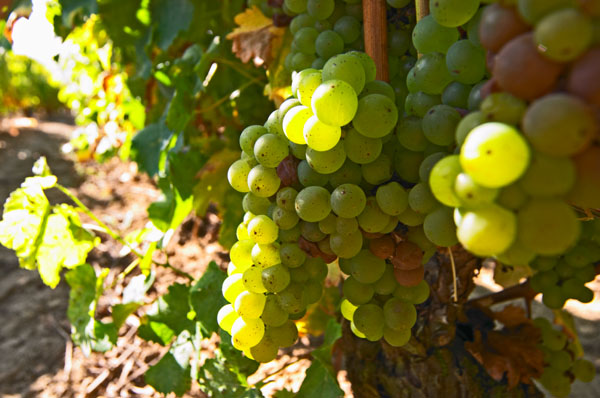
x,y
156,332
231,217
218,381
170,18
148,145
172,309
172,372
256,38
206,298
213,185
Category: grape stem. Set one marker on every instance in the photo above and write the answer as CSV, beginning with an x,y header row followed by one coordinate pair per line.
x,y
375,32
454,281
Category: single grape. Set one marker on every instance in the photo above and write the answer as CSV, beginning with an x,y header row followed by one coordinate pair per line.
x,y
275,278
369,319
293,123
320,136
376,116
399,314
472,194
453,13
334,102
265,256
253,280
347,68
361,149
428,36
357,293
327,162
372,218
487,230
247,332
442,178
439,124
237,174
439,227
226,317
249,136
263,181
346,244
249,305
313,204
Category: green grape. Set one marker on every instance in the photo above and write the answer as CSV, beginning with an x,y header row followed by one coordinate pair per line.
x,y
320,9
347,309
369,319
472,194
548,176
378,87
313,291
296,79
556,382
263,181
273,314
366,267
367,62
248,216
420,198
356,332
439,124
298,150
348,28
376,116
293,123
349,173
290,235
398,42
311,231
347,244
273,124
396,338
265,256
504,108
439,227
307,84
548,226
583,370
456,94
309,177
411,218
249,305
453,13
413,294
334,102
407,164
517,255
357,293
399,314
238,175
265,351
534,10
298,275
290,299
442,178
512,197
284,335
373,219
301,21
240,254
275,278
575,288
467,124
253,280
316,268
473,27
328,44
320,136
346,226
428,163
296,6
386,284
553,297
559,125
313,204
391,226
328,224
552,339
544,263
494,155
249,136
475,98
247,333
262,229
348,200
429,75
304,40
226,317
361,149
584,253
418,103
286,198
232,286
430,37
255,204
564,35
327,162
347,68
487,230
543,280
285,219
410,134
392,198
291,255
466,62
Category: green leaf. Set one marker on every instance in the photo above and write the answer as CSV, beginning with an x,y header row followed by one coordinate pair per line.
x,y
172,17
183,167
172,309
120,313
169,376
232,215
206,298
169,212
213,180
319,382
218,381
148,145
156,332
180,110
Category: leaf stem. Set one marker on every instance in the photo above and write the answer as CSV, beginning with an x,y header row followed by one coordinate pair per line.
x,y
454,281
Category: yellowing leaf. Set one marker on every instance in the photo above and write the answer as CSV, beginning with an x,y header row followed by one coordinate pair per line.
x,y
256,38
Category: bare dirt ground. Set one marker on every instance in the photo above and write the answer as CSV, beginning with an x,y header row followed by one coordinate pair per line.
x,y
37,358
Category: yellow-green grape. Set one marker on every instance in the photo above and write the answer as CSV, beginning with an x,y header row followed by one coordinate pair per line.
x,y
369,319
328,224
376,116
250,305
249,136
372,218
357,293
439,227
290,298
386,284
263,181
293,123
471,193
273,314
286,198
238,175
313,291
563,35
275,278
411,218
233,285
346,245
357,332
494,155
399,314
347,309
284,335
262,229
265,350
307,85
232,269
313,204
226,317
414,294
392,198
442,178
583,370
367,268
292,256
396,338
334,102
487,230
255,204
320,136
253,280
241,254
241,232
266,255
247,333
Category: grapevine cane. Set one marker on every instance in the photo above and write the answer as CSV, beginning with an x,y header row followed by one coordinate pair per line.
x,y
422,7
375,29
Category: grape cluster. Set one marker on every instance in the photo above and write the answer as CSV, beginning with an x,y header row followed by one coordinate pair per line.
x,y
561,361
